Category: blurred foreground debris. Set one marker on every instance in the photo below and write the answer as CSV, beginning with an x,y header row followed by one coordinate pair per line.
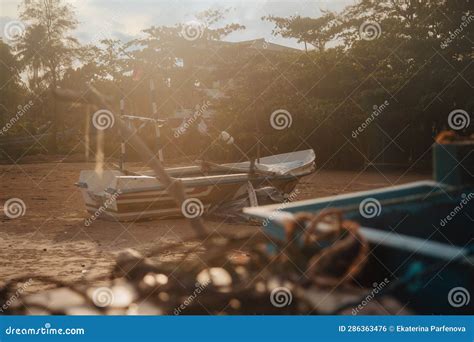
x,y
312,271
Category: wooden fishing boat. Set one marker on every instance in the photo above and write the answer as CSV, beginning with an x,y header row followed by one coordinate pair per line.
x,y
127,196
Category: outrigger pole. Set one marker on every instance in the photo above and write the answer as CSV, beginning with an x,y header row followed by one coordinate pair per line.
x,y
122,139
154,110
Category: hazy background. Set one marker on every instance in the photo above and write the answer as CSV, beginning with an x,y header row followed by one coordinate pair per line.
x,y
125,19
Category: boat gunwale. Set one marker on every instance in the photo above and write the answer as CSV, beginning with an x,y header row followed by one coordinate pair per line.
x,y
204,181
269,210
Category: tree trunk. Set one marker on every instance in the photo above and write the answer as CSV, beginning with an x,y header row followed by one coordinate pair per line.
x,y
53,141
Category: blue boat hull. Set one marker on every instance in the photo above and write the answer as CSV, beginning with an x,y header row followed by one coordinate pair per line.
x,y
421,234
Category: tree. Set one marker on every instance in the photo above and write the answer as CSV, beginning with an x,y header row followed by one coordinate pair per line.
x,y
29,59
166,54
11,91
315,31
46,48
210,18
416,55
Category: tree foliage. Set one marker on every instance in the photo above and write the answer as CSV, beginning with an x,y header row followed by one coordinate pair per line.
x,y
416,55
315,31
395,68
47,43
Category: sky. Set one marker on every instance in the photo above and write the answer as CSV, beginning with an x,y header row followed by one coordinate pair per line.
x,y
124,19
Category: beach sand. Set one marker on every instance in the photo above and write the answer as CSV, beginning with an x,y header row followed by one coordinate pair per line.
x,y
51,238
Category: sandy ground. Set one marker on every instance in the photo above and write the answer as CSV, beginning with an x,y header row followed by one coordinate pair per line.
x,y
51,239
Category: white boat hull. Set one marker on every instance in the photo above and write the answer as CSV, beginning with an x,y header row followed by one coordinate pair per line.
x,y
114,195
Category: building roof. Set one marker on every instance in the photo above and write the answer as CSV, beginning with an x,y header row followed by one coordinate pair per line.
x,y
258,44
262,44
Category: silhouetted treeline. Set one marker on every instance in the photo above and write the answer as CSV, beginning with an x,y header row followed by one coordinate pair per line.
x,y
374,83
